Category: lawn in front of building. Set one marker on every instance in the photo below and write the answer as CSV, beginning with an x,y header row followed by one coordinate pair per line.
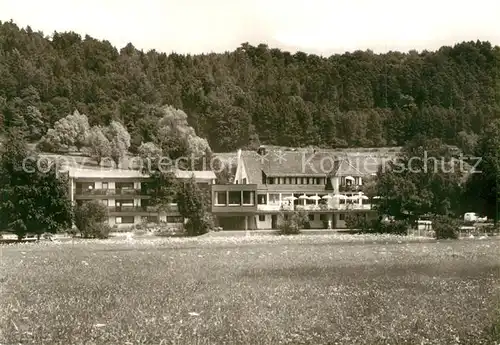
x,y
268,290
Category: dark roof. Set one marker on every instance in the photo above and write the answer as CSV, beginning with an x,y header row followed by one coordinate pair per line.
x,y
253,168
308,163
288,163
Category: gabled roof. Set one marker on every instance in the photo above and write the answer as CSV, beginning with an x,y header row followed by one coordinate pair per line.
x,y
288,163
347,168
307,163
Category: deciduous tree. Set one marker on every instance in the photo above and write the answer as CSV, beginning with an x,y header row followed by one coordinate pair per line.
x,y
31,201
99,146
119,139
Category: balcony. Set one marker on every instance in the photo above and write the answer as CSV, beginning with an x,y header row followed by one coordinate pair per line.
x,y
133,209
348,207
127,191
114,192
80,191
275,207
350,188
313,207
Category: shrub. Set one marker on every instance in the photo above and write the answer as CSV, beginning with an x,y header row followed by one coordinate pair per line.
x,y
446,227
98,230
397,227
90,218
394,227
199,225
167,231
192,203
358,221
291,223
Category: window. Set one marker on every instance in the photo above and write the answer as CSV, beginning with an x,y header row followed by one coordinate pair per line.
x,y
235,198
262,218
125,185
124,220
149,219
105,202
270,180
274,198
311,217
128,220
262,199
248,198
323,217
220,198
341,216
244,181
175,219
203,185
104,185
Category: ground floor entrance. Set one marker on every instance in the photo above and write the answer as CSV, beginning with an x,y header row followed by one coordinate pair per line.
x,y
274,221
271,221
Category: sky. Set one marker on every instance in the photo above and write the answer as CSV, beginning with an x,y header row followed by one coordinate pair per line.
x,y
314,26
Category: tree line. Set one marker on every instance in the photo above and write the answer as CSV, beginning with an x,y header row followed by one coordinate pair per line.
x,y
34,200
252,95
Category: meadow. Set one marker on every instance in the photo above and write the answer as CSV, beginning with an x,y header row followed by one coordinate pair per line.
x,y
257,290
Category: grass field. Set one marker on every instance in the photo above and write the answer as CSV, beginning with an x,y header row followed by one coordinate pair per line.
x,y
302,290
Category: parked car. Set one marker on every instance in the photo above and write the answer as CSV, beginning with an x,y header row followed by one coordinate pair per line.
x,y
473,217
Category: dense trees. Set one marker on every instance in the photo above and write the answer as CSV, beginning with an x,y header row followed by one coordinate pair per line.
x,y
424,180
33,198
483,188
251,95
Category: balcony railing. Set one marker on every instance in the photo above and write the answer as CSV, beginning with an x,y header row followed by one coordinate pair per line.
x,y
133,209
275,207
354,207
350,188
81,191
314,207
127,191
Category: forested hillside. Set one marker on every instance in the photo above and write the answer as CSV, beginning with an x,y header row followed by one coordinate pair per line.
x,y
251,95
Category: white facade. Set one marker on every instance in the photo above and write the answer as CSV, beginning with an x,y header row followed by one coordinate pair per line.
x,y
121,191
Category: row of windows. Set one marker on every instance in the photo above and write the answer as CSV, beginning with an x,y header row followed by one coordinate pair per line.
x,y
322,217
106,202
125,220
235,198
105,185
296,180
149,219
